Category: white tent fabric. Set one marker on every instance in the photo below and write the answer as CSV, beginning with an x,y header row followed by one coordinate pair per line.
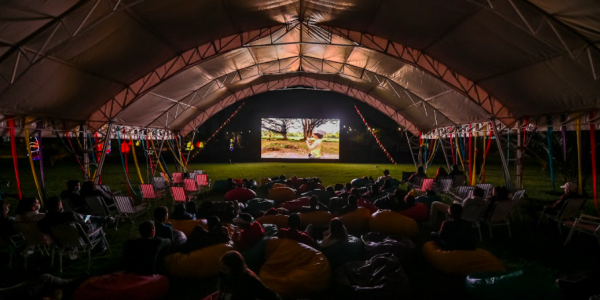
x,y
173,64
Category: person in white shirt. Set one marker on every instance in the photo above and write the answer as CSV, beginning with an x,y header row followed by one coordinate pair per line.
x,y
475,201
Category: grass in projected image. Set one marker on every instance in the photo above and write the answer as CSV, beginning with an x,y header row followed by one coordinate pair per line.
x,y
300,138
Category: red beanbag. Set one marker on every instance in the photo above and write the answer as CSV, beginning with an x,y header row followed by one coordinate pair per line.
x,y
418,212
238,182
368,205
240,194
123,286
296,205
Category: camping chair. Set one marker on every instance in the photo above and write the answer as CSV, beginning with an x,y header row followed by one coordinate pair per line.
x,y
406,176
459,180
500,215
127,210
426,184
35,240
149,194
67,205
177,178
569,210
586,224
178,194
202,180
96,206
474,213
11,244
487,189
166,177
516,202
444,186
159,183
190,187
72,239
463,192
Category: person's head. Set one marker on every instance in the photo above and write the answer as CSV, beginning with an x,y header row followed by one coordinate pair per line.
x,y
409,200
73,185
455,211
294,221
569,187
329,189
352,199
213,223
478,192
147,229
232,263
29,204
317,135
5,208
53,204
441,172
430,193
337,229
386,172
348,186
338,187
161,214
282,177
179,210
420,170
314,201
243,220
88,187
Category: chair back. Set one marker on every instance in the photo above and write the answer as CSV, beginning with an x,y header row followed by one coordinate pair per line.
x,y
166,177
96,206
487,189
464,192
473,213
459,180
103,187
67,205
178,194
147,191
190,185
444,185
517,198
426,184
70,235
418,182
159,183
124,205
501,211
177,178
201,180
571,208
32,234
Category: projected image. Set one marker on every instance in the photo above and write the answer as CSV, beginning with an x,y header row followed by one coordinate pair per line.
x,y
300,138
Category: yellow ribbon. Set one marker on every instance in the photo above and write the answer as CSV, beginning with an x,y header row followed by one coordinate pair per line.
x,y
35,179
135,160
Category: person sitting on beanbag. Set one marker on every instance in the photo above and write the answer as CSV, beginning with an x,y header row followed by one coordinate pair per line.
x,y
237,282
337,233
455,233
294,233
180,213
201,238
315,205
350,207
250,231
146,254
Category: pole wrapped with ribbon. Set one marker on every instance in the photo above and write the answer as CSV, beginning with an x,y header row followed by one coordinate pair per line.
x,y
375,136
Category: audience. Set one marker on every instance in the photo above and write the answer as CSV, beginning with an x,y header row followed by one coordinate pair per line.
x,y
315,205
429,197
237,282
202,238
455,233
499,193
386,176
416,177
337,233
294,232
455,170
440,174
393,202
350,207
250,231
145,255
475,202
28,209
180,212
88,189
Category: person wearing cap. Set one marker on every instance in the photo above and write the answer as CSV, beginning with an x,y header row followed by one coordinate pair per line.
x,y
315,147
570,189
250,231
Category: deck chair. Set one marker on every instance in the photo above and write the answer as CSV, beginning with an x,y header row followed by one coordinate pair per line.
x,y
72,239
127,210
474,214
11,244
96,206
500,216
149,194
67,205
569,210
459,180
517,199
35,240
426,184
444,186
487,189
190,186
586,224
202,180
463,192
159,183
178,194
177,178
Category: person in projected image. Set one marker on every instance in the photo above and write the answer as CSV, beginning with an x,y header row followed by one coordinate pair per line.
x,y
316,145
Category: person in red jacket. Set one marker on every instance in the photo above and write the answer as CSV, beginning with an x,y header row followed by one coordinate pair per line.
x,y
294,233
250,231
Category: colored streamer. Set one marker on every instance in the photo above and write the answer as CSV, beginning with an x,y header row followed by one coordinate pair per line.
x,y
123,162
469,173
593,150
40,153
35,178
376,139
137,166
550,159
580,177
13,147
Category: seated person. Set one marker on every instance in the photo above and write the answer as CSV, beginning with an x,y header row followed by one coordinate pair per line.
x,y
499,193
237,282
338,188
429,197
88,189
7,230
416,177
409,201
164,229
455,233
145,255
201,238
294,232
350,207
337,233
180,212
72,193
250,231
395,202
315,205
475,200
381,179
440,174
570,189
455,170
28,209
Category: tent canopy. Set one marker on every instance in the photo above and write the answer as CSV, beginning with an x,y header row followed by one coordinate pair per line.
x,y
173,64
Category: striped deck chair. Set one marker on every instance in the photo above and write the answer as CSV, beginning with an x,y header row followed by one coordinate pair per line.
x,y
190,186
463,192
487,189
127,210
444,186
178,194
516,202
149,194
96,206
500,216
159,183
177,178
166,177
71,238
426,184
202,180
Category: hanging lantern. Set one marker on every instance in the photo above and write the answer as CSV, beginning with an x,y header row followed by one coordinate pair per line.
x,y
125,148
34,147
230,144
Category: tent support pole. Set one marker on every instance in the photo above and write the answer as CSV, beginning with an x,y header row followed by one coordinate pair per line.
x,y
507,179
159,153
519,161
410,148
103,154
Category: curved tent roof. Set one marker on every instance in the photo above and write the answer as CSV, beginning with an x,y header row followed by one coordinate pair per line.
x,y
173,64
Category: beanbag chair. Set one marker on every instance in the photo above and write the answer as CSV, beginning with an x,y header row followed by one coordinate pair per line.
x,y
316,218
281,221
123,286
522,284
460,262
278,185
240,194
418,212
380,277
265,181
187,226
256,206
323,195
390,222
297,182
378,243
357,221
255,255
293,268
238,182
198,264
366,204
221,185
296,205
359,182
342,252
282,194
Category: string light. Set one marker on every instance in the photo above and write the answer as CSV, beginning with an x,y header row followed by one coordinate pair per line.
x,y
375,136
217,131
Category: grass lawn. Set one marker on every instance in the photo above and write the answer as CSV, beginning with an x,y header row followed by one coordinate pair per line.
x,y
530,246
297,149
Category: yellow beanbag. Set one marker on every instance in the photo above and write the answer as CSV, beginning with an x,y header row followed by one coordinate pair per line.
x,y
293,268
198,264
316,218
358,220
282,194
187,226
278,185
389,222
280,220
461,262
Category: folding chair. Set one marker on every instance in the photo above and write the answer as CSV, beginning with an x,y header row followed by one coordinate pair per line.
x,y
11,244
96,206
586,224
159,183
516,203
202,180
67,205
149,194
178,194
444,186
190,186
127,210
500,215
474,213
166,177
463,192
487,189
177,178
459,180
35,240
72,239
417,183
569,210
426,184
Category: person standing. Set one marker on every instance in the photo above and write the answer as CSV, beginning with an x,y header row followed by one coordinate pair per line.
x,y
315,146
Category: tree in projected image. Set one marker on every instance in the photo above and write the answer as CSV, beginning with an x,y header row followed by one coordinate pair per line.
x,y
279,126
309,125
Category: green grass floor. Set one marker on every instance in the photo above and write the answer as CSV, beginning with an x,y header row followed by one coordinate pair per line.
x,y
529,247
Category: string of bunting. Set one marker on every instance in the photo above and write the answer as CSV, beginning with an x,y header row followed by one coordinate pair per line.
x,y
203,145
376,139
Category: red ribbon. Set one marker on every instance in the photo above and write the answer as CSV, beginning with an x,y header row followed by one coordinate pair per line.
x,y
593,149
13,147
